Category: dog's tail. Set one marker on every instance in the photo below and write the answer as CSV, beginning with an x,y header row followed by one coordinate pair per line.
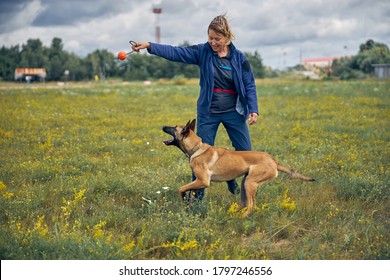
x,y
294,174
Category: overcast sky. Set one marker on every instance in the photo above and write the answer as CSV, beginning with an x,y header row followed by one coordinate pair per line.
x,y
283,32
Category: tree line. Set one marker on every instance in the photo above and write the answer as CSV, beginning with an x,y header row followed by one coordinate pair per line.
x,y
63,65
361,64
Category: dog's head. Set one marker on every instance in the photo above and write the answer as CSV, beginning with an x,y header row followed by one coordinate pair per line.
x,y
179,134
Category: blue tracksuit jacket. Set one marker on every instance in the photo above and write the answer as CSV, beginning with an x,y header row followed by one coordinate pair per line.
x,y
201,55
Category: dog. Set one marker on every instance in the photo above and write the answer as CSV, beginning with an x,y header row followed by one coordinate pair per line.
x,y
215,164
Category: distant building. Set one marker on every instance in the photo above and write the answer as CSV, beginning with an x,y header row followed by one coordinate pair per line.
x,y
320,62
382,71
30,74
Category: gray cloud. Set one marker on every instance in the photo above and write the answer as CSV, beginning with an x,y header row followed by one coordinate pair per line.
x,y
71,12
282,31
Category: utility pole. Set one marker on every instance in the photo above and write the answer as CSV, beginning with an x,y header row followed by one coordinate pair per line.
x,y
157,11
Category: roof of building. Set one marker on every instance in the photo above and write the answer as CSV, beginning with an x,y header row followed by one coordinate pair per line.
x,y
320,59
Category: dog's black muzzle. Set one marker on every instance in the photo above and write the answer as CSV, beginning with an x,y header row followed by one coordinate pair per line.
x,y
171,131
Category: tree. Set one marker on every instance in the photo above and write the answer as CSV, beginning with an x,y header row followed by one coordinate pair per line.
x,y
256,63
76,68
361,64
343,69
33,55
10,59
100,62
371,53
56,60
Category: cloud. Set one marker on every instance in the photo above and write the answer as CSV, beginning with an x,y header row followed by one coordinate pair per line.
x,y
282,31
21,15
71,12
336,27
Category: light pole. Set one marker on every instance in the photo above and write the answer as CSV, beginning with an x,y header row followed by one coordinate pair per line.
x,y
157,12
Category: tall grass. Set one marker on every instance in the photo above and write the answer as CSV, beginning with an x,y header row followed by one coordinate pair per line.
x,y
84,174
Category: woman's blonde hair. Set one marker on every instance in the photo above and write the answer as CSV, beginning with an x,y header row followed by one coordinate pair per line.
x,y
220,25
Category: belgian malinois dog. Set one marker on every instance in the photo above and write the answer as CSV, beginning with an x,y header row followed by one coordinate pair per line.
x,y
219,165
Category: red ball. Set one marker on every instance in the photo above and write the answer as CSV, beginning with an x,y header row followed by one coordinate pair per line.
x,y
121,55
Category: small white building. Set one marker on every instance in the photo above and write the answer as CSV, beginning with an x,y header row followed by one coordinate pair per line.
x,y
382,71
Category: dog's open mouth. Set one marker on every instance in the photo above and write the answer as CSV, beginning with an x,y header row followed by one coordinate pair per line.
x,y
169,141
170,130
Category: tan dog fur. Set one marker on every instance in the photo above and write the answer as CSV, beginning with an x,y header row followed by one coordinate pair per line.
x,y
219,165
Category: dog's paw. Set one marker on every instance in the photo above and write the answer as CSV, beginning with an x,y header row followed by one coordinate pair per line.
x,y
183,196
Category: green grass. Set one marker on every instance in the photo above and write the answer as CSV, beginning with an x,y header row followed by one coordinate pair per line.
x,y
84,174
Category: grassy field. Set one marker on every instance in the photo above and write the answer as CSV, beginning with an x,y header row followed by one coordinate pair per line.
x,y
84,174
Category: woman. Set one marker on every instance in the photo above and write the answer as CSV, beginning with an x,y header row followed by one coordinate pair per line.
x,y
227,86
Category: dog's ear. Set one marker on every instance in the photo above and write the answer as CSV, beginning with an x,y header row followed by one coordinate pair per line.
x,y
186,129
189,126
192,125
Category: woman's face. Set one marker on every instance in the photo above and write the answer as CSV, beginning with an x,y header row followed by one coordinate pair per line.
x,y
217,41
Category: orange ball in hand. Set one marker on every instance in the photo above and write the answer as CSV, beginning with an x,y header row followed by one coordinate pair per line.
x,y
121,55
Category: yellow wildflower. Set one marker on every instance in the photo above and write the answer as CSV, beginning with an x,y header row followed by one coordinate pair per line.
x,y
189,245
98,229
287,203
178,243
233,208
6,194
80,195
216,244
3,187
129,246
40,227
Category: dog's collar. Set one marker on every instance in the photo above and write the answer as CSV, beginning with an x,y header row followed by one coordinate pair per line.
x,y
193,151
